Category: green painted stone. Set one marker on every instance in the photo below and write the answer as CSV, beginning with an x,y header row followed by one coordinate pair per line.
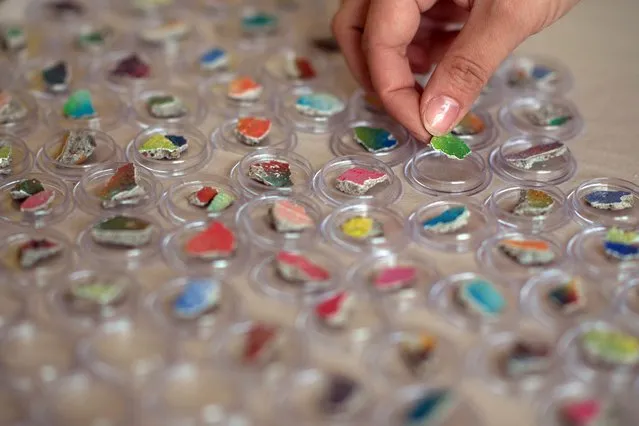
x,y
451,146
613,347
123,223
25,188
221,202
102,293
79,105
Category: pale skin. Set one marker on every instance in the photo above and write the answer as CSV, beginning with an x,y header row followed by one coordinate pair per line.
x,y
386,41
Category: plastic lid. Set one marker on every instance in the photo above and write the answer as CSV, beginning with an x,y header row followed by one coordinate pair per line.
x,y
194,109
280,135
623,211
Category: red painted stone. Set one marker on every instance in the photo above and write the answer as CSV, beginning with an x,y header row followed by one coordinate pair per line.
x,y
360,176
582,413
206,195
305,68
39,201
334,310
301,267
216,241
258,340
395,277
253,129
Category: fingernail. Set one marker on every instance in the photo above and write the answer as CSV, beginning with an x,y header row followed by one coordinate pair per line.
x,y
440,115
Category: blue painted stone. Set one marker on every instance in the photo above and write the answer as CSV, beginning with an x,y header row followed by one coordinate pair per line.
x,y
449,220
540,72
428,408
177,140
482,297
615,200
374,139
621,251
213,58
198,296
319,104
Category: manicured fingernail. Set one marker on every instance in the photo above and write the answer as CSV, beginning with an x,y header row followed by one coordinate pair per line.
x,y
440,115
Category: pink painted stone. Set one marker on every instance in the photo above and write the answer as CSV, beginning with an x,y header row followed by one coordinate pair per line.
x,y
582,413
296,267
38,201
358,180
290,217
335,311
395,277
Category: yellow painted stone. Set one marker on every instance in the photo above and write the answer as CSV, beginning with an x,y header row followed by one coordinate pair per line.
x,y
360,227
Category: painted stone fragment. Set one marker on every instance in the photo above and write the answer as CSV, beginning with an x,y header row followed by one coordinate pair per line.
x,y
470,125
299,68
335,311
38,203
275,173
610,347
261,344
288,216
621,251
132,66
610,200
99,292
163,147
326,44
11,109
26,188
166,106
56,77
122,188
171,30
527,357
37,250
12,38
297,268
374,139
617,235
214,59
394,278
339,393
6,158
373,103
528,252
481,297
533,202
584,412
451,146
415,350
548,115
317,104
79,106
244,89
252,130
77,147
202,197
199,296
527,158
358,180
93,39
450,220
431,408
569,297
123,231
215,242
259,23
362,228
221,202
528,75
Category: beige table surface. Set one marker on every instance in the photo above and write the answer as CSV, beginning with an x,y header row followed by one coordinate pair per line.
x,y
598,41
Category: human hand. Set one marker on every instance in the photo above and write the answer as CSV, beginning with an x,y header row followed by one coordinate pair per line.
x,y
386,41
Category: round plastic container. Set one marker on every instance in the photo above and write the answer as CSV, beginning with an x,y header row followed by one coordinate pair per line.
x,y
215,91
325,181
533,73
586,215
124,352
386,356
343,141
13,304
22,161
365,273
175,207
31,73
393,236
80,398
553,171
519,116
57,211
507,206
109,108
160,305
536,297
431,172
317,124
489,360
105,151
443,299
86,191
301,173
193,159
91,53
577,363
14,407
232,30
174,254
255,221
32,356
281,136
265,278
485,138
626,303
464,239
81,316
196,109
24,124
495,262
586,248
56,13
126,84
169,46
115,257
278,61
189,66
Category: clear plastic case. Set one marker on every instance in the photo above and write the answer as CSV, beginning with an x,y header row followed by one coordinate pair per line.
x,y
626,302
529,207
254,27
26,116
31,74
22,157
105,151
190,107
280,135
385,190
533,158
315,108
365,227
623,212
459,237
197,154
216,92
396,146
290,66
432,173
535,73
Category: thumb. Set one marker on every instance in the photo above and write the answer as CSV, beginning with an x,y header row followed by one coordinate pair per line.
x,y
484,42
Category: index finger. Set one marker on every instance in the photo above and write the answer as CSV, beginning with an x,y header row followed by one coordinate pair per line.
x,y
391,25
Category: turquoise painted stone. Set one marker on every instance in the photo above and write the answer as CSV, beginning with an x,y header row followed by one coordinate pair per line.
x,y
429,408
374,139
481,297
259,22
79,105
198,296
319,105
449,220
